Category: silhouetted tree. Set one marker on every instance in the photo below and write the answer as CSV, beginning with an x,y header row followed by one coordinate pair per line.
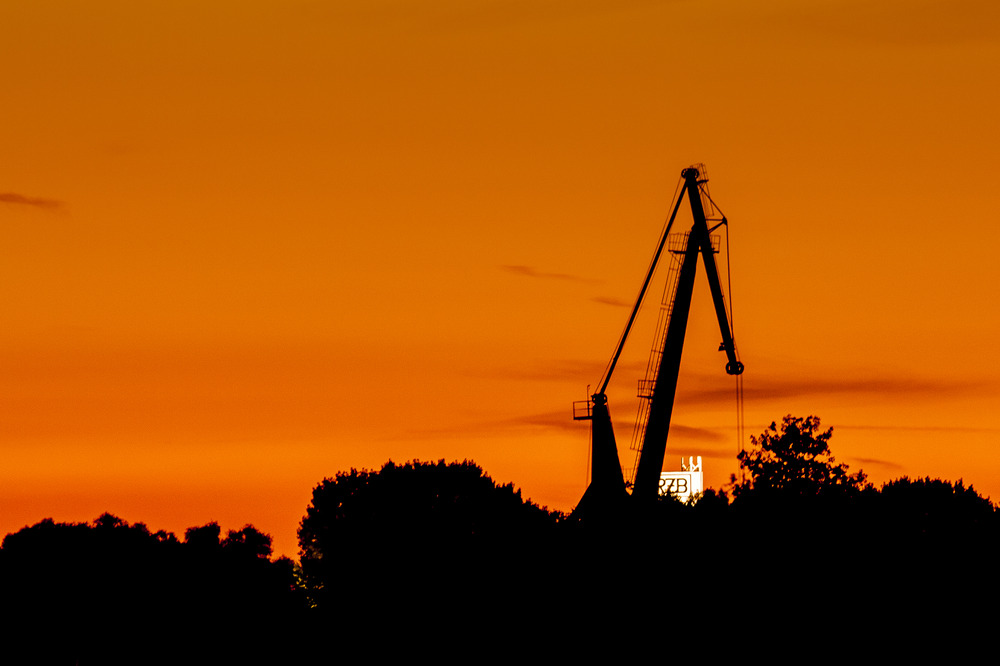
x,y
794,459
110,592
419,501
205,537
417,543
248,542
933,510
711,500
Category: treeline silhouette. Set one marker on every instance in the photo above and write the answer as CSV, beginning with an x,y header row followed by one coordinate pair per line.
x,y
439,551
111,592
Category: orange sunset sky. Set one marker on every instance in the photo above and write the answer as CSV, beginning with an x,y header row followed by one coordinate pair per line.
x,y
246,245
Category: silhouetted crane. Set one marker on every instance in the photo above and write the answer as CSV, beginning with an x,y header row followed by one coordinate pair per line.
x,y
607,490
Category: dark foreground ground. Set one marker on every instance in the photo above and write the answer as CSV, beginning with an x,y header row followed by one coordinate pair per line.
x,y
766,579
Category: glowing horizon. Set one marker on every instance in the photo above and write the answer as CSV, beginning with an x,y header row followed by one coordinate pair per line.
x,y
249,245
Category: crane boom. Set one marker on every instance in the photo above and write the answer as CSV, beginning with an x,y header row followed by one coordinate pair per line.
x,y
654,444
607,485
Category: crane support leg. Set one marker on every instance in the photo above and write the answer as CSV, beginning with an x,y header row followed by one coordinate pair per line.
x,y
647,476
606,493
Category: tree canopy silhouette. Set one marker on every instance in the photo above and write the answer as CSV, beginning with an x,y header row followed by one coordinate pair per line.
x,y
431,537
934,510
103,592
795,459
414,501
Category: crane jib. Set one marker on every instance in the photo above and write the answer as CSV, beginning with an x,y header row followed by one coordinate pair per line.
x,y
607,485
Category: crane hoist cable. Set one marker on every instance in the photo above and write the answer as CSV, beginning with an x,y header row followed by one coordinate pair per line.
x,y
740,431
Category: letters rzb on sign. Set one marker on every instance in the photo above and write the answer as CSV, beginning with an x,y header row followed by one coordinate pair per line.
x,y
684,484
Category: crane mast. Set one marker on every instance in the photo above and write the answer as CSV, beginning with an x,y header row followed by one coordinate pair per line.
x,y
607,489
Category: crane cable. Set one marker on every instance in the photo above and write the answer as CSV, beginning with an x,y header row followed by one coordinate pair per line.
x,y
740,423
740,432
664,234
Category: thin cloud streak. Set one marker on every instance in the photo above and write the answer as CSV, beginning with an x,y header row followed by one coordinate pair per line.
x,y
942,429
878,462
719,389
608,300
556,370
699,434
36,202
898,23
561,421
529,271
771,389
704,452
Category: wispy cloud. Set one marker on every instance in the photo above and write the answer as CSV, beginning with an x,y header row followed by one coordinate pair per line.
x,y
608,300
898,22
878,462
764,388
957,430
552,370
707,389
561,420
699,434
491,16
529,271
712,453
37,202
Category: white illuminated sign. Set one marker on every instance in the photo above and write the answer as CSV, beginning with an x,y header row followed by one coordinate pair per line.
x,y
684,484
